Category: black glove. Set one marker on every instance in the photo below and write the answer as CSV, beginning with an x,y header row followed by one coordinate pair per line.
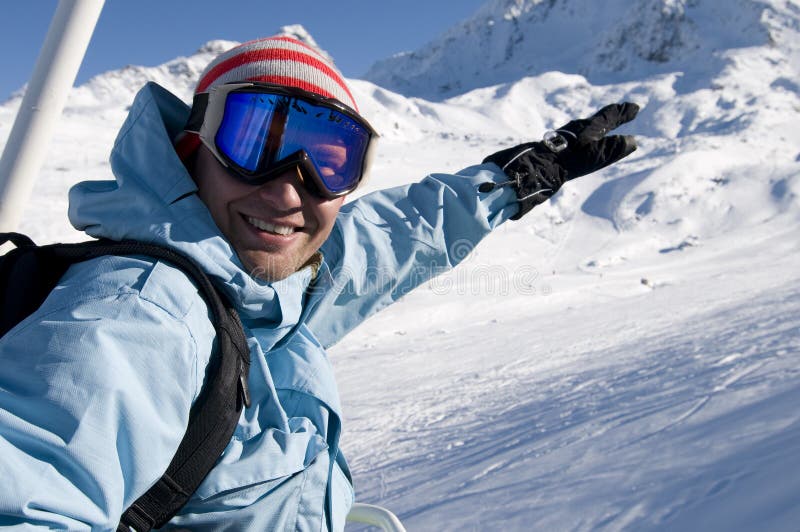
x,y
538,169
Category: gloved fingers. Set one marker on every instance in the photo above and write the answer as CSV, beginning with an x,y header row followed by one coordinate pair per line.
x,y
606,119
614,115
596,155
616,147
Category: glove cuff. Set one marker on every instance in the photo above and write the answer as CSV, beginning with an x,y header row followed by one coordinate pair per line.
x,y
533,174
530,190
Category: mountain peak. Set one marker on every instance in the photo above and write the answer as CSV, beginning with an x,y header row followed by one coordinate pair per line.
x,y
297,31
605,41
216,47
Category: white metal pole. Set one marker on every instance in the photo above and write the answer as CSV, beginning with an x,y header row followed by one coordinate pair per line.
x,y
53,76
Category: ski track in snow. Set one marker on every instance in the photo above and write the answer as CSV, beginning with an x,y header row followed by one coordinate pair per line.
x,y
638,428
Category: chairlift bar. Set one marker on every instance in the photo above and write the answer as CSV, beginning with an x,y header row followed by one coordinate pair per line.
x,y
378,516
55,71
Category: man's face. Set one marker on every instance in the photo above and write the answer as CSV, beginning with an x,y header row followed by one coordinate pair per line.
x,y
275,228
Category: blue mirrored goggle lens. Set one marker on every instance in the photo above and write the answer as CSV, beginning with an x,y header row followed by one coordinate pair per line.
x,y
245,124
335,143
259,130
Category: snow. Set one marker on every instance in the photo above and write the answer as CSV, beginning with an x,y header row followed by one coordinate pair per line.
x,y
605,41
624,357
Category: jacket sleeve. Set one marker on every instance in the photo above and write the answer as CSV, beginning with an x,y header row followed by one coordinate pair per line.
x,y
386,243
95,392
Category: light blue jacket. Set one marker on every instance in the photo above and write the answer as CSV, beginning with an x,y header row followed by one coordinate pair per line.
x,y
96,386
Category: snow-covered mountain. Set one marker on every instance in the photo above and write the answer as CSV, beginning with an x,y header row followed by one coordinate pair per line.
x,y
626,356
606,41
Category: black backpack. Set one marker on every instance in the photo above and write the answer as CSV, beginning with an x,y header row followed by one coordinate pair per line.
x,y
28,274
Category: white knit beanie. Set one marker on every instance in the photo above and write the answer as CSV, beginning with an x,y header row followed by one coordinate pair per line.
x,y
280,60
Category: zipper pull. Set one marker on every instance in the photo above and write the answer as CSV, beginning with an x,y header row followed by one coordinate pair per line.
x,y
244,389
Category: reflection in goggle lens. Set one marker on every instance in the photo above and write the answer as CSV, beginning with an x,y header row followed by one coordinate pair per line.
x,y
258,131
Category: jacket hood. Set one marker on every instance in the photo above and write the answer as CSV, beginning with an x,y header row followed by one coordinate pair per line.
x,y
153,199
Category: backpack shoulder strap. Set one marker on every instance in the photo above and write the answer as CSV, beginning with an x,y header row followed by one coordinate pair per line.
x,y
215,413
27,275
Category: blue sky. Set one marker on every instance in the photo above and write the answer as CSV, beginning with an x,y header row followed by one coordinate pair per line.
x,y
149,32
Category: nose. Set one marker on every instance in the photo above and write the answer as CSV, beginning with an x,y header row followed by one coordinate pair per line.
x,y
285,192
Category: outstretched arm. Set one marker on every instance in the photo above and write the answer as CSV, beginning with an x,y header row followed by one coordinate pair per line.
x,y
388,242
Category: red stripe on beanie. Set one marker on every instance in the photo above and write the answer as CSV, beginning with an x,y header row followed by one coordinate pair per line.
x,y
265,54
295,41
284,38
274,54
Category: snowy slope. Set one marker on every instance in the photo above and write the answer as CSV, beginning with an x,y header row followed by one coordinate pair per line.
x,y
625,357
603,405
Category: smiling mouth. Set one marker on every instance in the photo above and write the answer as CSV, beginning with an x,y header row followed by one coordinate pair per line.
x,y
274,229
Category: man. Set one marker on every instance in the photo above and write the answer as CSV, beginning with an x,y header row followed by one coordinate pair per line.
x,y
97,385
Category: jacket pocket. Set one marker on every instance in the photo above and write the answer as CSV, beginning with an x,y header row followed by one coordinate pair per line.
x,y
250,468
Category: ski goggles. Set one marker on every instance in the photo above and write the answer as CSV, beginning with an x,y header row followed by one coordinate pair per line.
x,y
261,130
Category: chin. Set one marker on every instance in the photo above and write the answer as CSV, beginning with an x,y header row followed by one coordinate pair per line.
x,y
268,274
266,269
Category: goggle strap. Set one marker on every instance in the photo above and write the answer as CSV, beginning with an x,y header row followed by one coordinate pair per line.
x,y
198,113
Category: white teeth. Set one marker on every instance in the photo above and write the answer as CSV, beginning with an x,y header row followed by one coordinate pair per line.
x,y
270,228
